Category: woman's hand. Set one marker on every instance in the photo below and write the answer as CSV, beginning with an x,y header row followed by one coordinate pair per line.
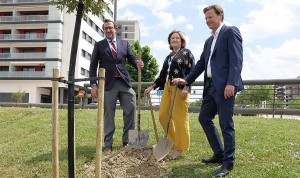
x,y
180,81
148,90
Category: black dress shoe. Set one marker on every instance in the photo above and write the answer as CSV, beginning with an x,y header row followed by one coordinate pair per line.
x,y
125,144
213,160
222,171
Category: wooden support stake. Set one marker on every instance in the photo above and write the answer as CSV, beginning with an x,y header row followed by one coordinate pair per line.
x,y
55,160
100,114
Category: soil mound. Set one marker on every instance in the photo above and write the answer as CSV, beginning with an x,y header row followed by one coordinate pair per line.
x,y
131,163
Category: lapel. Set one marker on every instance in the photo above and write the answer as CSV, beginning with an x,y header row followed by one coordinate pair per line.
x,y
209,42
220,36
107,47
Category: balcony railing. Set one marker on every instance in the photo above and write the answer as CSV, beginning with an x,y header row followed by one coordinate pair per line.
x,y
23,74
27,18
5,55
36,55
33,36
28,55
22,1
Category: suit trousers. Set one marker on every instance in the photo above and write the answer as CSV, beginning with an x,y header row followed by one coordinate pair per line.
x,y
214,103
179,131
127,98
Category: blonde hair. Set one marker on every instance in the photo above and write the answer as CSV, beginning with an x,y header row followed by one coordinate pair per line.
x,y
181,35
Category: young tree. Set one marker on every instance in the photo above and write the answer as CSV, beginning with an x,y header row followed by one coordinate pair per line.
x,y
18,96
82,7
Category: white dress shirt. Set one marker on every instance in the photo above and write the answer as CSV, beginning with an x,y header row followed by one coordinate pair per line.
x,y
215,35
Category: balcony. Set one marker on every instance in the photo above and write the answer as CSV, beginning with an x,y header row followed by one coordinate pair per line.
x,y
28,56
28,18
32,36
23,74
22,1
5,55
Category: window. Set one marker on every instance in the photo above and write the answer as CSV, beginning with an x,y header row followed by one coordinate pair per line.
x,y
126,28
83,53
125,35
82,71
83,35
4,68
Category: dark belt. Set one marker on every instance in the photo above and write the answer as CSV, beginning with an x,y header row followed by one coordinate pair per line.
x,y
209,79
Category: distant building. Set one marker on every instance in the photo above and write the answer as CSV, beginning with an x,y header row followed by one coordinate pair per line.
x,y
287,93
35,38
128,30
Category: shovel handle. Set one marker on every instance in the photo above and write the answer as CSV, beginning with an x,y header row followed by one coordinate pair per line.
x,y
139,93
171,109
153,119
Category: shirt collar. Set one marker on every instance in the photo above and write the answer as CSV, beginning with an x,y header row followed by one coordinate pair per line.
x,y
217,31
114,40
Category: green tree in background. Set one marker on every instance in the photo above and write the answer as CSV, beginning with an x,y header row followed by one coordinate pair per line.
x,y
253,95
18,96
95,7
295,103
150,69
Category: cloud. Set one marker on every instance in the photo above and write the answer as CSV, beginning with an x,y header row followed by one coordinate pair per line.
x,y
273,18
155,5
180,19
190,27
145,30
273,63
129,15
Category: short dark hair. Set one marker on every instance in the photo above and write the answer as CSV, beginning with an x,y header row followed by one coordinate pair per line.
x,y
107,21
180,33
218,10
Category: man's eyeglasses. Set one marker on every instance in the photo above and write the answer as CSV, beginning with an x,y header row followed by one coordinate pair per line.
x,y
108,28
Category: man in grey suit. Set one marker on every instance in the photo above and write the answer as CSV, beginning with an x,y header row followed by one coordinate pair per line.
x,y
111,54
222,60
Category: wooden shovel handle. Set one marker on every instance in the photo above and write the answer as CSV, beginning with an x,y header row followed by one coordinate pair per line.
x,y
171,109
139,93
153,119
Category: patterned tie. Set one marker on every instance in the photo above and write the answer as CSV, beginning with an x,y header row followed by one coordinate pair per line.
x,y
113,50
114,53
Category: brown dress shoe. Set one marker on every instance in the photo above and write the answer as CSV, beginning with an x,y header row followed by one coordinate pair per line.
x,y
107,149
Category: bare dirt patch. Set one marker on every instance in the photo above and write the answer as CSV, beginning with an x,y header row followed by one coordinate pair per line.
x,y
131,163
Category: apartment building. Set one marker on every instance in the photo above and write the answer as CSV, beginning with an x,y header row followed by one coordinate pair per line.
x,y
35,38
287,93
128,30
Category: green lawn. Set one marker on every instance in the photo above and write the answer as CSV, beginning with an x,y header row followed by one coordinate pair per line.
x,y
264,147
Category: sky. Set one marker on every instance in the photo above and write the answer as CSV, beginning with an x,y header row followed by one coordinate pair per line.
x,y
270,30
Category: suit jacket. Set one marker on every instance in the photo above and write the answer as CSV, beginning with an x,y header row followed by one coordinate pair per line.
x,y
102,58
226,60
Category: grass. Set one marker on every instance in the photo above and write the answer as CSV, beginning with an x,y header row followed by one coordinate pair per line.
x,y
264,147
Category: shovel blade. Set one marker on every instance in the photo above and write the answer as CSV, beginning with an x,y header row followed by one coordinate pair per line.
x,y
138,138
162,148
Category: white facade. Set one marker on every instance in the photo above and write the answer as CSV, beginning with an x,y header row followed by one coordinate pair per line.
x,y
36,38
129,30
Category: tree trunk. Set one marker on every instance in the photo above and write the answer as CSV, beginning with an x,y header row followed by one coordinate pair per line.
x,y
71,94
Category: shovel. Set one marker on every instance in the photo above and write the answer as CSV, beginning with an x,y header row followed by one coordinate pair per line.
x,y
153,119
164,145
138,138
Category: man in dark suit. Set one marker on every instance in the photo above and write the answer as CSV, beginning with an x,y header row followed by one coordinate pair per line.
x,y
222,60
111,54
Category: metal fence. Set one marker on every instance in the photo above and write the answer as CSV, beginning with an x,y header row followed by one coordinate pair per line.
x,y
280,94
